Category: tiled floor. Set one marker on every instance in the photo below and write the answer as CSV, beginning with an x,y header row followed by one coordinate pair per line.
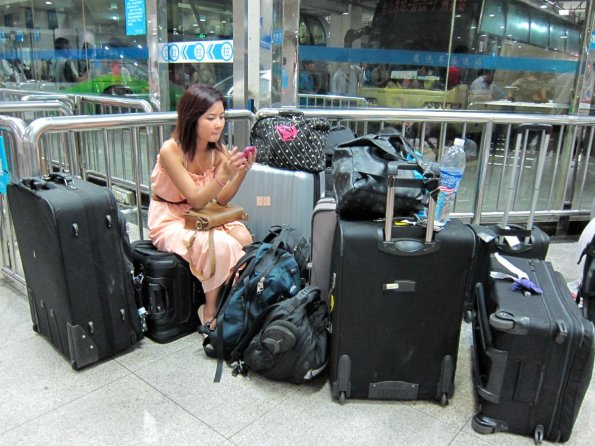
x,y
164,394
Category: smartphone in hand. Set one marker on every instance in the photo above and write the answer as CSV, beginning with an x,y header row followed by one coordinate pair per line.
x,y
248,151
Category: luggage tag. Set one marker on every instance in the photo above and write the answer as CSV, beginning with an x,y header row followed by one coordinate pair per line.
x,y
512,240
520,279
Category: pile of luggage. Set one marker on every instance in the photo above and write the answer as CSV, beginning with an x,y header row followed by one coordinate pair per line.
x,y
344,273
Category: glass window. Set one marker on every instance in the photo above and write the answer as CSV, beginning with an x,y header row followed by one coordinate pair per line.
x,y
557,37
493,22
517,23
539,34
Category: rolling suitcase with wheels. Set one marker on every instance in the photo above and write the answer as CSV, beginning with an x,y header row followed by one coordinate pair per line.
x,y
532,351
517,240
170,293
79,281
528,240
324,220
396,304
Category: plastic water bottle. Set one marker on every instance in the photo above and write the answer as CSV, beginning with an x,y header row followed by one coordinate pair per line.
x,y
452,167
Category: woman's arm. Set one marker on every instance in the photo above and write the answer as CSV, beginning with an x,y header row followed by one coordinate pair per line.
x,y
231,188
171,159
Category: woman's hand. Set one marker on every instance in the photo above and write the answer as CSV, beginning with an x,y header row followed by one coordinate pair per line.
x,y
232,162
250,159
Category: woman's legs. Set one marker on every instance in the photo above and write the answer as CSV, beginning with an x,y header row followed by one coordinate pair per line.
x,y
242,235
210,307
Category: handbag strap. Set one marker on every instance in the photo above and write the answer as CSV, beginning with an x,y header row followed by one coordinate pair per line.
x,y
430,176
212,263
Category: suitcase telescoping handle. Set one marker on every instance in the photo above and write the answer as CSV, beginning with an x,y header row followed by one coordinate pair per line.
x,y
393,181
489,382
522,137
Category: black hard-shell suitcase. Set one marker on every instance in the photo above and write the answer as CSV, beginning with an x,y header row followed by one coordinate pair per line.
x,y
79,282
533,354
169,291
396,308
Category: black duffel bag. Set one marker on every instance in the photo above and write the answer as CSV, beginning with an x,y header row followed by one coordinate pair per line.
x,y
291,141
359,177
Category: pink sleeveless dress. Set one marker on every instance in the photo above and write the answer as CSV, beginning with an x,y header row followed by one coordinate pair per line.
x,y
167,232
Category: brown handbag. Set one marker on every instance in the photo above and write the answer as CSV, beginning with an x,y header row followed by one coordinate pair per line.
x,y
213,215
206,219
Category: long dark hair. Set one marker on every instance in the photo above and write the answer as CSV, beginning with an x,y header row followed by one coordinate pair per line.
x,y
195,101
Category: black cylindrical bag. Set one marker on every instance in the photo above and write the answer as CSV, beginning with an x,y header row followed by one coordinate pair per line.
x,y
359,177
291,141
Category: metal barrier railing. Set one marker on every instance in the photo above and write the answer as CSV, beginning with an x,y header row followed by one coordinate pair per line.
x,y
126,146
12,131
331,101
119,150
84,104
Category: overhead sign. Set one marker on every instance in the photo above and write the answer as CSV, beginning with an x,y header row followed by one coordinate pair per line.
x,y
136,21
207,51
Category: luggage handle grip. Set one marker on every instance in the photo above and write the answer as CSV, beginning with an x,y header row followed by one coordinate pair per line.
x,y
61,177
492,389
392,179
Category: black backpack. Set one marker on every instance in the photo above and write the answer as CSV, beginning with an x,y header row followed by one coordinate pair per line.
x,y
586,290
266,274
289,341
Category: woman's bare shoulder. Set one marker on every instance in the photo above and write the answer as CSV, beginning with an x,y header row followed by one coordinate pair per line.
x,y
170,151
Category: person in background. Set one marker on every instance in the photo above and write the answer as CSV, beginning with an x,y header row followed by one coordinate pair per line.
x,y
64,68
528,88
194,168
340,81
380,76
307,81
483,81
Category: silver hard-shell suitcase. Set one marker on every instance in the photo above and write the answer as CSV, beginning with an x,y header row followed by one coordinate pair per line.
x,y
274,196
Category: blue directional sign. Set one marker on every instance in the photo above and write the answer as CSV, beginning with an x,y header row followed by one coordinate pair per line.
x,y
211,51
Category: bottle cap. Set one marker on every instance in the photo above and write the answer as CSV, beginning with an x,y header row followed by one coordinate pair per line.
x,y
459,142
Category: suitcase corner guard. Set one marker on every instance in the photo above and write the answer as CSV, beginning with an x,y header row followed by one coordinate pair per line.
x,y
83,350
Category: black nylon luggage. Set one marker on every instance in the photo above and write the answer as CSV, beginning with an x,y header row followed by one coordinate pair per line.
x,y
396,308
517,240
533,354
79,282
169,291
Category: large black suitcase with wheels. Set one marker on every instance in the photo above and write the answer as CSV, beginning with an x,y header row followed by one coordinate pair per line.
x,y
533,353
79,281
169,291
396,308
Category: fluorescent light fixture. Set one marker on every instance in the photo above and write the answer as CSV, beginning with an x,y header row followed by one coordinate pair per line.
x,y
543,6
564,12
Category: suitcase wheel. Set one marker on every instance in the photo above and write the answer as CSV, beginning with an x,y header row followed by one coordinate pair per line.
x,y
538,434
444,399
483,425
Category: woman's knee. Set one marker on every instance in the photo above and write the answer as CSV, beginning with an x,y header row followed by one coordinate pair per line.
x,y
242,235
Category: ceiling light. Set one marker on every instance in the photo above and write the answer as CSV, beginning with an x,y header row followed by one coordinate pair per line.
x,y
564,12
